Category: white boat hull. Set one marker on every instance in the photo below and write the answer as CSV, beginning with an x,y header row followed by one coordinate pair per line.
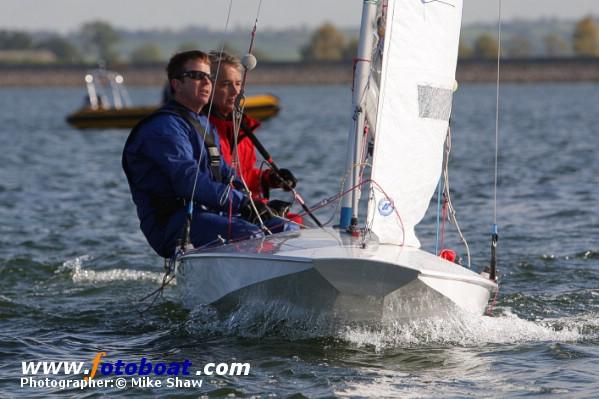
x,y
328,274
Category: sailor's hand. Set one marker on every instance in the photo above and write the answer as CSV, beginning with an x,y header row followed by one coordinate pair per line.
x,y
284,179
278,207
249,213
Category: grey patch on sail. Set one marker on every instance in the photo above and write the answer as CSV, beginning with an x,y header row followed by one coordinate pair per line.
x,y
434,102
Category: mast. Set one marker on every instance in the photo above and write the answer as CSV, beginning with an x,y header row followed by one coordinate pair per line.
x,y
349,205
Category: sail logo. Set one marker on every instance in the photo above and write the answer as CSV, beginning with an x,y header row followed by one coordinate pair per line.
x,y
385,207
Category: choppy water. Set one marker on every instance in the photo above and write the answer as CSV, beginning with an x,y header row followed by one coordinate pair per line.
x,y
73,263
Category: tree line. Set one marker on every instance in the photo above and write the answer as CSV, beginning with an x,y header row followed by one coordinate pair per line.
x,y
328,43
98,41
95,42
584,42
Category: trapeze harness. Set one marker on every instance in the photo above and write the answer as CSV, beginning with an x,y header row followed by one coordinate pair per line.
x,y
165,207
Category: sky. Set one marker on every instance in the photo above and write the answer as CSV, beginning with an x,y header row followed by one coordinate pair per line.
x,y
67,15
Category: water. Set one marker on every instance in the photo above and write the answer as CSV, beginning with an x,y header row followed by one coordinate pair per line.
x,y
74,265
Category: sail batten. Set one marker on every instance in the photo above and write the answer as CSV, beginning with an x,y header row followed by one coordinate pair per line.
x,y
414,106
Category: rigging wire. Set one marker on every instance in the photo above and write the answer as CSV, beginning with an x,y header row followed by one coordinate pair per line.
x,y
494,229
497,119
255,26
447,195
249,63
439,187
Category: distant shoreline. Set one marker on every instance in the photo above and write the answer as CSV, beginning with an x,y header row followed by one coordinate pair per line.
x,y
298,73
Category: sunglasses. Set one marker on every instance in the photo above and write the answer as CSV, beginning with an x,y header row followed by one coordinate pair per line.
x,y
197,75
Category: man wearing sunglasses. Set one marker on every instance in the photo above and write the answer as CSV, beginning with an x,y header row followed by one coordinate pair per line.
x,y
172,158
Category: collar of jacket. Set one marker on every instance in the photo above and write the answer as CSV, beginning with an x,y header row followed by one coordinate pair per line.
x,y
224,126
173,104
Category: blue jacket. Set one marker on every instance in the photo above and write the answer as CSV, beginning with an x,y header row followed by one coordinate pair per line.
x,y
160,160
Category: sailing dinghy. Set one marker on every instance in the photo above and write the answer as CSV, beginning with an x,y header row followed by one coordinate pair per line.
x,y
404,81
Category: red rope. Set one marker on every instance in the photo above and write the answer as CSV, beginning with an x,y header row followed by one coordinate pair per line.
x,y
325,203
344,193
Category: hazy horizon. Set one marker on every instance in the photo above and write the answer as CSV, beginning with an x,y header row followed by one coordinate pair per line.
x,y
67,15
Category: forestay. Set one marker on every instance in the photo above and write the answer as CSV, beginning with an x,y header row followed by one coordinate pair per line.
x,y
417,80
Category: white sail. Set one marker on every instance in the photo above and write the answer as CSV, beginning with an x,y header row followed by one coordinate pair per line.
x,y
417,80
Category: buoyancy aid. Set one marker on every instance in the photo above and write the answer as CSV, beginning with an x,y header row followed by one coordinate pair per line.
x,y
246,153
165,207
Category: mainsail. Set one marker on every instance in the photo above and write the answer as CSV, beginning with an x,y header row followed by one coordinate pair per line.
x,y
416,86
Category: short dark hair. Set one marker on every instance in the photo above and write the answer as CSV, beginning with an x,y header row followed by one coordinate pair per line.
x,y
176,64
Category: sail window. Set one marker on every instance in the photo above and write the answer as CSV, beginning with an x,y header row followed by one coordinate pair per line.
x,y
434,102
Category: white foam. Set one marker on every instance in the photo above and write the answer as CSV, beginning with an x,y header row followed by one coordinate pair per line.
x,y
73,264
460,330
469,330
81,275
